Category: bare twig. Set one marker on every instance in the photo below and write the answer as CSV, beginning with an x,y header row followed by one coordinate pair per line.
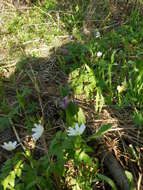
x,y
139,181
16,134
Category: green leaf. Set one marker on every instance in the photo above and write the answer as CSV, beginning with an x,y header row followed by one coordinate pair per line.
x,y
9,181
64,91
13,112
107,180
101,131
99,101
88,149
79,88
85,158
19,187
10,171
71,114
32,185
4,122
81,116
57,144
113,56
130,178
29,175
138,119
18,168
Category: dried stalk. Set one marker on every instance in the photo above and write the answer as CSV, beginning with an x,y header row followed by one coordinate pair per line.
x,y
16,134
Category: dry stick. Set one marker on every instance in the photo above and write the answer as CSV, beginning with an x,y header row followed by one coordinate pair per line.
x,y
16,134
139,181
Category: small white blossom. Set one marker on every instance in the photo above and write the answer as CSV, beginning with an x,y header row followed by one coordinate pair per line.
x,y
119,89
136,69
38,131
78,130
99,54
97,34
9,145
122,88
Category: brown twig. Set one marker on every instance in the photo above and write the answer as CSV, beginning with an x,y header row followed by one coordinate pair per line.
x,y
139,181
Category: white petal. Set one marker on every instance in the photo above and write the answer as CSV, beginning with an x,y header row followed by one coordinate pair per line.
x,y
76,127
35,136
71,134
38,131
36,125
4,144
97,34
119,88
34,129
99,54
9,146
82,128
15,143
71,131
77,130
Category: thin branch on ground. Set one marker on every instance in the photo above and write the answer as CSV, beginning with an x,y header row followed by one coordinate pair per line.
x,y
16,134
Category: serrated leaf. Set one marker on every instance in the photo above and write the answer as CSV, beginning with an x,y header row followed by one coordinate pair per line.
x,y
9,181
79,89
99,100
81,116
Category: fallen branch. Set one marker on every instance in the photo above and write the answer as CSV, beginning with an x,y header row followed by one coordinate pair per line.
x,y
115,170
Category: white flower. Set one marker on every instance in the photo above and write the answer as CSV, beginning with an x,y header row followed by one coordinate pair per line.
x,y
77,130
122,88
119,89
9,146
99,54
97,34
38,131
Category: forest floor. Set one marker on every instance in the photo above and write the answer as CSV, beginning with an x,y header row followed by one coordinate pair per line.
x,y
91,53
